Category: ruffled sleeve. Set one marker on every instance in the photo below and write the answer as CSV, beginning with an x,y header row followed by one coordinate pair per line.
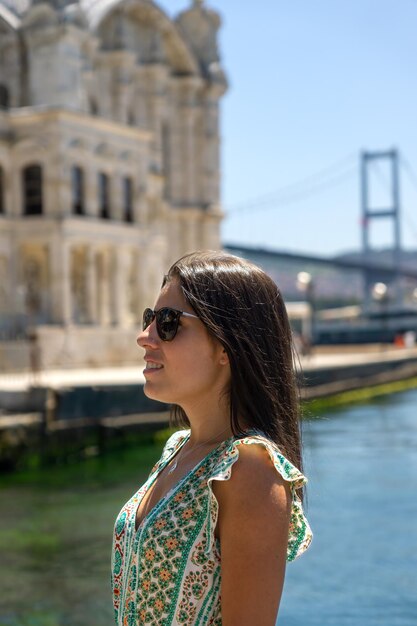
x,y
300,535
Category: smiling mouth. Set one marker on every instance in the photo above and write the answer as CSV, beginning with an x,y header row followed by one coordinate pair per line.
x,y
153,367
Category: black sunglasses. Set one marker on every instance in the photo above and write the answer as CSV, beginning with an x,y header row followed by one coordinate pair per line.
x,y
167,321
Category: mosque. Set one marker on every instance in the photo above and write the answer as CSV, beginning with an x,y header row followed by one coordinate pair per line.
x,y
109,168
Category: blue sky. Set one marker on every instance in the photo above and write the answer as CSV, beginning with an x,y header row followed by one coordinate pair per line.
x,y
311,85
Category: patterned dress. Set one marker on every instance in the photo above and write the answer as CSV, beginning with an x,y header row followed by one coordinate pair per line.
x,y
167,573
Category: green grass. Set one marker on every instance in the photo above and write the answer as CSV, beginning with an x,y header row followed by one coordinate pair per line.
x,y
317,406
138,454
32,540
36,618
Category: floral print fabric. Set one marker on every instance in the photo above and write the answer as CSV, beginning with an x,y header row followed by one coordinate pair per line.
x,y
167,573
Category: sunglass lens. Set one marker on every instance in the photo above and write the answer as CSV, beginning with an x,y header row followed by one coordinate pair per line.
x,y
148,316
167,323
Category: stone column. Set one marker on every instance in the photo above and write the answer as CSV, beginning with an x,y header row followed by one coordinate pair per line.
x,y
91,190
66,284
14,286
210,229
57,184
116,194
175,227
91,285
190,230
156,77
107,304
212,147
6,283
155,266
139,97
189,117
116,70
141,284
59,272
184,167
120,286
139,201
104,288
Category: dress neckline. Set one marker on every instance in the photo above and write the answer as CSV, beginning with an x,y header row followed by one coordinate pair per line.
x,y
177,485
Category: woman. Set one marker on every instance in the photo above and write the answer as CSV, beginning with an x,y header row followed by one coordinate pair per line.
x,y
205,540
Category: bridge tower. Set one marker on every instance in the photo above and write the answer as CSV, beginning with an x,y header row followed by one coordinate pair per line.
x,y
369,213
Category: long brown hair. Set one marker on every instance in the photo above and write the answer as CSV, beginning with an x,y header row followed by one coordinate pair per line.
x,y
242,307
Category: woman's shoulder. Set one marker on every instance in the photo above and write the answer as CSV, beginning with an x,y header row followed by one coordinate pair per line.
x,y
256,463
259,449
250,477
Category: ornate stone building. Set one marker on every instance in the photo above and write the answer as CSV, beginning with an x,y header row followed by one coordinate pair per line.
x,y
109,166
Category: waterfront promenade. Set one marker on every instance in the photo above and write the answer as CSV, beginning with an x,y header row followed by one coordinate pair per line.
x,y
100,404
322,358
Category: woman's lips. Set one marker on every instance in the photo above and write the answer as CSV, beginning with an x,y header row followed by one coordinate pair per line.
x,y
152,367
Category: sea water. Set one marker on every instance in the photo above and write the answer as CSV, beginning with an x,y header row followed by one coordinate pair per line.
x,y
361,569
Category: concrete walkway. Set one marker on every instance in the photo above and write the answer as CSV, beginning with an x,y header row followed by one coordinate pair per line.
x,y
57,379
340,358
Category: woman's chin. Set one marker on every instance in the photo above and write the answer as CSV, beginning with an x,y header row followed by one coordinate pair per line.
x,y
149,392
154,394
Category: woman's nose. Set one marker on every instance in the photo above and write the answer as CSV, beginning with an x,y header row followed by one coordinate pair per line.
x,y
148,337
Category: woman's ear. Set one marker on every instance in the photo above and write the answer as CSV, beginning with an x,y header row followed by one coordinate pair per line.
x,y
224,358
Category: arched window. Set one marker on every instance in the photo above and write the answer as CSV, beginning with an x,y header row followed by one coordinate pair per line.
x,y
4,97
103,195
127,200
77,190
93,107
32,190
1,191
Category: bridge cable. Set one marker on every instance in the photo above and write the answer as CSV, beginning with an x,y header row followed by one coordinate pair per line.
x,y
331,176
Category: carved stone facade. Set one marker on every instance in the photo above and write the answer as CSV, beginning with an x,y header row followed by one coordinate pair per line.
x,y
109,165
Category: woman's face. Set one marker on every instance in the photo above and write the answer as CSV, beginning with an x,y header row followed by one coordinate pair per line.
x,y
194,367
